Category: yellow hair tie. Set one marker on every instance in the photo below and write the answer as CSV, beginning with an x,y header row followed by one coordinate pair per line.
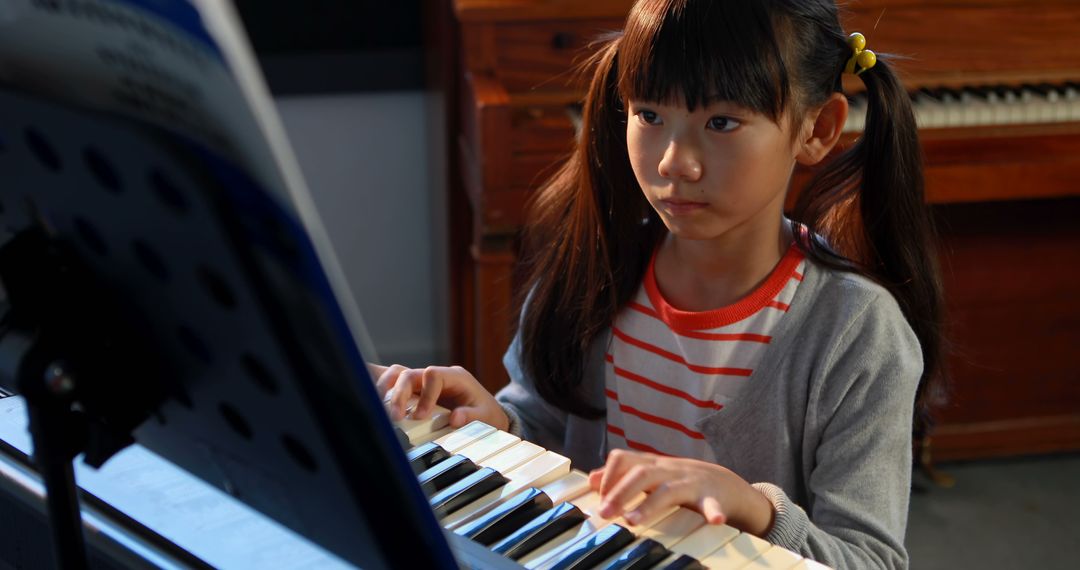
x,y
863,58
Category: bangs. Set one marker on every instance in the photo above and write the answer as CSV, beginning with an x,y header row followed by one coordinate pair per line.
x,y
723,50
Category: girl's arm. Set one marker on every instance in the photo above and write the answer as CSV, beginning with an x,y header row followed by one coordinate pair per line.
x,y
859,485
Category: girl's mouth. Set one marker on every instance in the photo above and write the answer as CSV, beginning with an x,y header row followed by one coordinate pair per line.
x,y
675,206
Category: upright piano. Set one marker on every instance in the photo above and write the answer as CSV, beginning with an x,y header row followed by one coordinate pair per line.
x,y
995,86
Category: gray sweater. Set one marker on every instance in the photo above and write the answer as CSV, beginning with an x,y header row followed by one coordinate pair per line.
x,y
822,428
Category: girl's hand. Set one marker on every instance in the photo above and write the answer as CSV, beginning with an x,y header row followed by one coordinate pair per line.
x,y
452,387
716,492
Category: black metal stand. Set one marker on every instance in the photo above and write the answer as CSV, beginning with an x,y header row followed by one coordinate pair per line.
x,y
60,348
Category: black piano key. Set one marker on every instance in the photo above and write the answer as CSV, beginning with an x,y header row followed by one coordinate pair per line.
x,y
426,455
508,517
540,530
446,473
466,491
588,552
645,555
683,562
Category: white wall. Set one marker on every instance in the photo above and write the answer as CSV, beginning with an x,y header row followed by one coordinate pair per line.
x,y
375,170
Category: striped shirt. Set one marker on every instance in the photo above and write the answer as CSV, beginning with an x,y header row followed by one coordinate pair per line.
x,y
667,369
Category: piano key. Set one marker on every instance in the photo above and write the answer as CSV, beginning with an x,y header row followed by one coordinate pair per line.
x,y
680,562
455,440
775,558
425,456
641,554
539,471
446,473
489,445
565,488
675,527
569,486
505,462
590,551
540,531
416,429
513,457
466,490
705,540
634,529
742,550
507,517
434,435
590,505
807,564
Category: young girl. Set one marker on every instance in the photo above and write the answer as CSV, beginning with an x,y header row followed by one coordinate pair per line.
x,y
686,339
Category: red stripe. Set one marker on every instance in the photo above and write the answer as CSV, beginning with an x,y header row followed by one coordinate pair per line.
x,y
797,276
635,445
644,310
665,389
676,358
778,305
749,337
660,421
611,394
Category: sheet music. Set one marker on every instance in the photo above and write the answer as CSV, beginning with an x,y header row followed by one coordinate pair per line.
x,y
182,508
185,66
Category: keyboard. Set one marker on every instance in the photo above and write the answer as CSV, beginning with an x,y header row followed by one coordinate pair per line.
x,y
528,505
993,105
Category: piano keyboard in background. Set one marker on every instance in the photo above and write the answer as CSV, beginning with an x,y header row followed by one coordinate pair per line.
x,y
527,504
984,106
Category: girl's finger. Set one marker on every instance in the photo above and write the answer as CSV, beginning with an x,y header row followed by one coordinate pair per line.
x,y
430,389
463,415
665,495
620,461
387,379
638,479
595,476
711,509
404,388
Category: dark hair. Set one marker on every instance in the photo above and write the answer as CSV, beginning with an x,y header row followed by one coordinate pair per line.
x,y
591,231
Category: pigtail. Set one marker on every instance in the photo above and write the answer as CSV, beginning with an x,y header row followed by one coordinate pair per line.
x,y
586,247
870,203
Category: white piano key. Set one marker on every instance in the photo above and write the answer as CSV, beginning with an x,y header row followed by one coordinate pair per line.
x,y
705,540
651,520
489,445
417,429
675,527
775,558
742,550
463,436
568,487
807,564
434,435
513,457
523,467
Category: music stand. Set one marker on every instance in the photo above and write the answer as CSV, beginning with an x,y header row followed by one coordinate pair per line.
x,y
192,273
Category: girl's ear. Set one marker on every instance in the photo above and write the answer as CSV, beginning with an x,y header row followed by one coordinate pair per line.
x,y
822,129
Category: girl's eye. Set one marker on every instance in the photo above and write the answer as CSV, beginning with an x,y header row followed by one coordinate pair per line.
x,y
649,117
723,124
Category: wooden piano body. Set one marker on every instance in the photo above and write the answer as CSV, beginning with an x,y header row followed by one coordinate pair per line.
x,y
1003,189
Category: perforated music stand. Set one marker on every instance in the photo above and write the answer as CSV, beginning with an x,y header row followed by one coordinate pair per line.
x,y
266,394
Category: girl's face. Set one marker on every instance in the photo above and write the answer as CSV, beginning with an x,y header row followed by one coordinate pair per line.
x,y
710,171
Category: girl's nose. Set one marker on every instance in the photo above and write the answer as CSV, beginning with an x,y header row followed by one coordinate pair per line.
x,y
680,162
